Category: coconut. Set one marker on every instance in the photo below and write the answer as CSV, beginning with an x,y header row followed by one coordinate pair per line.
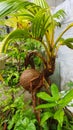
x,y
30,79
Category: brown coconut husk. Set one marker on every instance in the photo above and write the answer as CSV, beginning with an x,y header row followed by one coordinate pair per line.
x,y
28,77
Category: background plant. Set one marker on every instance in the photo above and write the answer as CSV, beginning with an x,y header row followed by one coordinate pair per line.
x,y
13,110
54,108
15,64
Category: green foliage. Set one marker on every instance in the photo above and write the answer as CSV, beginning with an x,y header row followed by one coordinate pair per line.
x,y
66,99
13,110
59,114
10,6
41,3
15,64
15,34
43,23
34,20
55,92
59,14
46,116
70,84
40,23
54,105
26,124
68,42
17,51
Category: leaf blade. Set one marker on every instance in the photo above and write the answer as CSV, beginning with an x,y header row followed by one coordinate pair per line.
x,y
45,117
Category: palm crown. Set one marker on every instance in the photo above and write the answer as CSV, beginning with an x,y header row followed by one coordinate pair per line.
x,y
34,20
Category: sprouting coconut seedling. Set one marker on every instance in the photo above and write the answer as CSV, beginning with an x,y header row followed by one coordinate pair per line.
x,y
43,24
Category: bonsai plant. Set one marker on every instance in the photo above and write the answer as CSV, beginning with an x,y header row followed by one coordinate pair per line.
x,y
42,24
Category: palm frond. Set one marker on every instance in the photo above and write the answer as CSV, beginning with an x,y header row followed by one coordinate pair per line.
x,y
27,15
11,6
33,8
29,12
60,36
41,3
59,14
68,42
15,34
40,23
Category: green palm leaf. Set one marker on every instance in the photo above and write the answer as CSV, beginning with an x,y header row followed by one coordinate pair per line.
x,y
11,6
40,23
29,11
27,15
59,14
15,34
41,3
68,42
60,36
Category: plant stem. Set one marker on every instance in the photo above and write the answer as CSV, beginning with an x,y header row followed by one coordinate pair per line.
x,y
5,126
71,25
